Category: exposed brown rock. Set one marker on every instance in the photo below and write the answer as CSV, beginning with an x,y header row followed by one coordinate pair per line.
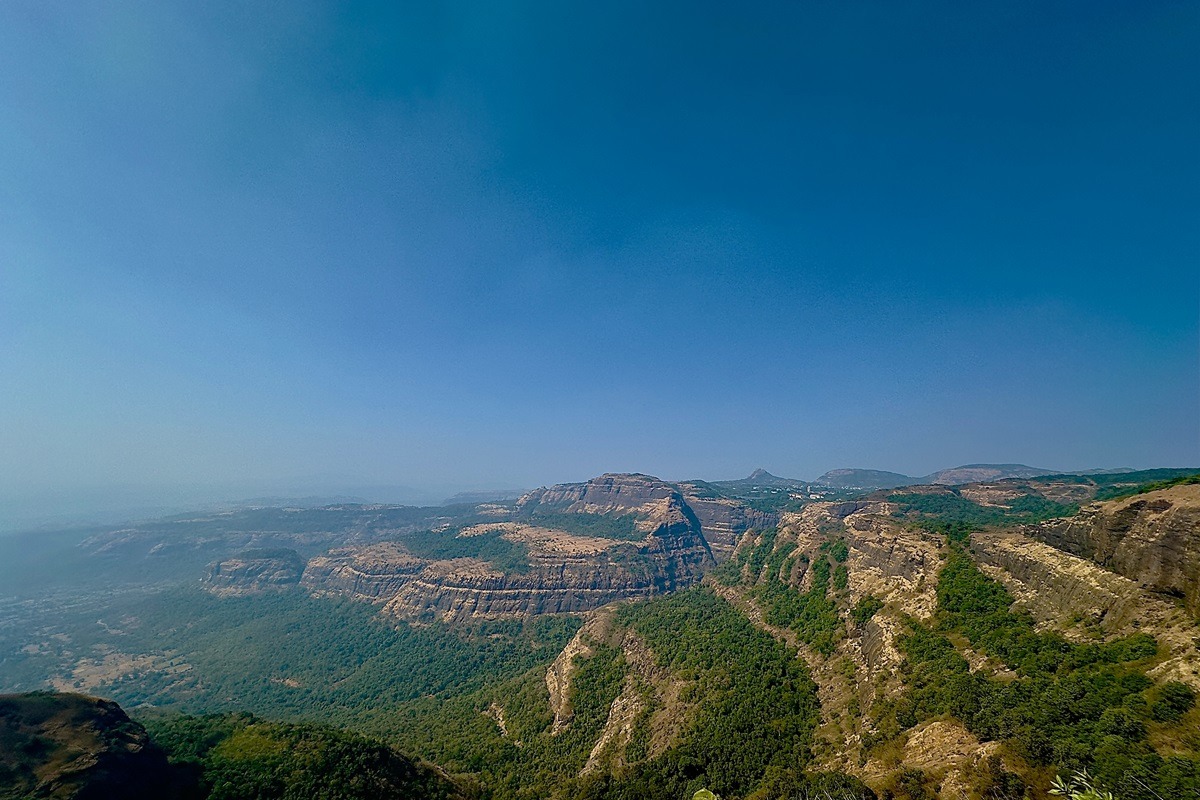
x,y
723,522
73,747
609,493
566,572
1082,600
255,571
1151,538
375,573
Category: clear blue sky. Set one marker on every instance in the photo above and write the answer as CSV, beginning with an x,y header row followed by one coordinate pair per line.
x,y
507,244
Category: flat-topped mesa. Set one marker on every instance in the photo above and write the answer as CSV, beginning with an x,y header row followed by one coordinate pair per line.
x,y
254,572
610,493
373,574
568,549
567,573
721,521
1151,538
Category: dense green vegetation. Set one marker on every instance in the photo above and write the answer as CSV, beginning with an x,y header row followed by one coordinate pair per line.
x,y
1069,706
954,508
1114,492
812,614
489,546
865,608
1134,478
761,705
604,526
958,533
748,715
440,692
286,656
978,607
240,757
758,706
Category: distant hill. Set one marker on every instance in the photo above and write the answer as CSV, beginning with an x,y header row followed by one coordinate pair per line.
x,y
977,473
865,479
762,478
483,496
968,473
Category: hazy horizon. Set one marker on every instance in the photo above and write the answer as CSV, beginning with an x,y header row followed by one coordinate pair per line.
x,y
110,504
463,247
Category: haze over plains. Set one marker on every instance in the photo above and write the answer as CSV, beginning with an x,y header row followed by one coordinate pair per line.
x,y
325,246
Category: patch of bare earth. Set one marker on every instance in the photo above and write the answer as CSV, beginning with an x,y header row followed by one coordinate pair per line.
x,y
110,666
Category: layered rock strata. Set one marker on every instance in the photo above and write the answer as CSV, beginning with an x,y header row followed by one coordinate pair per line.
x,y
1151,538
564,572
254,572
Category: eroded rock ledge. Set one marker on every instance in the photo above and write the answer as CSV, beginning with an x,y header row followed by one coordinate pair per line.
x,y
1152,538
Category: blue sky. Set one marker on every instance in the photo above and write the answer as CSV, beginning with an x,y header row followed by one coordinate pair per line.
x,y
480,244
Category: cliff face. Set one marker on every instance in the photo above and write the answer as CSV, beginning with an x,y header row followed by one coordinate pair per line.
x,y
77,747
607,494
723,522
255,571
374,574
563,571
1152,539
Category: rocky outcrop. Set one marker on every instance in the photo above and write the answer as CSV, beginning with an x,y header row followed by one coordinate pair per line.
x,y
1152,539
723,521
470,588
893,562
254,572
75,747
375,573
651,693
1058,588
562,672
563,572
1081,600
608,494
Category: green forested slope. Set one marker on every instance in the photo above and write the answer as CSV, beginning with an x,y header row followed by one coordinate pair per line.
x,y
1066,707
239,757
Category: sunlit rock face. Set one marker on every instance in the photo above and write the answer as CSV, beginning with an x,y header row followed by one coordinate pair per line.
x,y
1152,538
661,550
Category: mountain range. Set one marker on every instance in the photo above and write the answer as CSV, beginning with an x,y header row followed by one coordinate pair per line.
x,y
627,637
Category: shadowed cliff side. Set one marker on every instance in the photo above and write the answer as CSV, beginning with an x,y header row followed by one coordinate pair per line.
x,y
81,748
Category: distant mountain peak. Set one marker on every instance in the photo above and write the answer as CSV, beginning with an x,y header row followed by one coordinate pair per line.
x,y
976,473
761,474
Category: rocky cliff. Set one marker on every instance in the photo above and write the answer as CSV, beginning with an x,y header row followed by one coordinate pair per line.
x,y
1152,539
610,493
375,573
74,747
255,571
570,561
723,521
